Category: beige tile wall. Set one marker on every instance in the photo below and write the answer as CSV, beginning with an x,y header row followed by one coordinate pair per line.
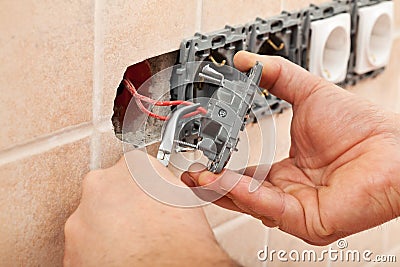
x,y
60,65
215,14
299,4
37,194
136,30
46,68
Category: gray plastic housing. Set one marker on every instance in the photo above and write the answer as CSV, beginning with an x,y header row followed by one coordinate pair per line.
x,y
279,35
216,133
221,45
227,111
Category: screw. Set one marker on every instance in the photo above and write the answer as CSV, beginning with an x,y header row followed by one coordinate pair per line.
x,y
222,113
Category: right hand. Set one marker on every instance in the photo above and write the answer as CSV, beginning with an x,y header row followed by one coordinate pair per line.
x,y
343,172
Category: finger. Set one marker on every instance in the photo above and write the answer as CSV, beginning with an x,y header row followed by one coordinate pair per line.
x,y
268,201
200,176
207,191
206,181
281,77
258,172
209,180
227,203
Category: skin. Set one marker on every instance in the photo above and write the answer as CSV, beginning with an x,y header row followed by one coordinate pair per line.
x,y
343,172
342,177
117,224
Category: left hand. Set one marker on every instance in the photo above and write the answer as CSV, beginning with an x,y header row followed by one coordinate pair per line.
x,y
117,224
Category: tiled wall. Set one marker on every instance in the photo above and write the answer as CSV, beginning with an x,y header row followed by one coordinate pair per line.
x,y
60,64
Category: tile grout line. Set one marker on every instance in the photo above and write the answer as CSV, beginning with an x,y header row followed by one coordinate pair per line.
x,y
98,60
95,150
199,15
98,76
47,142
104,125
283,5
266,243
385,237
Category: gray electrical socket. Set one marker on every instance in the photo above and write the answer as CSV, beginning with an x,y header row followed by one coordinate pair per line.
x,y
220,48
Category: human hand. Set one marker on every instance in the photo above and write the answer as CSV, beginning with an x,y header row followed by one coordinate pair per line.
x,y
117,224
342,175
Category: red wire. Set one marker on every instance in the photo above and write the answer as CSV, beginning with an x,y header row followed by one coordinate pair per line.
x,y
138,98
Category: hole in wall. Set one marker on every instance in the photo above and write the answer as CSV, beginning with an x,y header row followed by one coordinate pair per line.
x,y
138,74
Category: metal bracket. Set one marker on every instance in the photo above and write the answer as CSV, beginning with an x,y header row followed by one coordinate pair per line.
x,y
171,133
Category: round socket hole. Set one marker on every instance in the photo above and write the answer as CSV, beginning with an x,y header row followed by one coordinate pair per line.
x,y
380,40
267,47
335,56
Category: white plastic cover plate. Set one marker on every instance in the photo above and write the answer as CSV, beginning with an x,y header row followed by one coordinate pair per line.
x,y
330,47
374,37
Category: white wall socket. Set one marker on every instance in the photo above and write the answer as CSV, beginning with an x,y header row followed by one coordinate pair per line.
x,y
330,47
374,37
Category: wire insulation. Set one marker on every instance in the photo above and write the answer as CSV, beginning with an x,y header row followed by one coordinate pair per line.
x,y
139,98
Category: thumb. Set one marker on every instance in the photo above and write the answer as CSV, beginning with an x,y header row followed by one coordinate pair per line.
x,y
281,77
267,201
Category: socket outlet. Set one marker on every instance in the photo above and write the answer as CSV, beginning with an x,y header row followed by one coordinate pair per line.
x,y
374,37
330,47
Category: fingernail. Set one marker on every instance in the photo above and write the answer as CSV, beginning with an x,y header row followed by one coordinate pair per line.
x,y
206,178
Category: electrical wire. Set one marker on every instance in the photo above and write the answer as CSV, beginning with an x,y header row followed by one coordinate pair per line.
x,y
139,98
